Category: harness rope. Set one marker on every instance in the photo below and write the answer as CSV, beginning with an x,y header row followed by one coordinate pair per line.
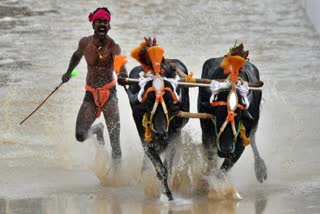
x,y
147,123
230,119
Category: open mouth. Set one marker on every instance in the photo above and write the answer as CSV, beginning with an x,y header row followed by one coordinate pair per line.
x,y
102,30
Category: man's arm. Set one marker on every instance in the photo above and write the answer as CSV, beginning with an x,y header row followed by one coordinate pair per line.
x,y
74,61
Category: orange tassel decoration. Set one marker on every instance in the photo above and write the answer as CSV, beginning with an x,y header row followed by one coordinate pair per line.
x,y
245,140
119,62
135,54
225,64
156,54
147,135
147,130
236,62
233,61
136,50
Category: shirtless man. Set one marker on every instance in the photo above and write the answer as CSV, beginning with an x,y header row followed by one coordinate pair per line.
x,y
101,95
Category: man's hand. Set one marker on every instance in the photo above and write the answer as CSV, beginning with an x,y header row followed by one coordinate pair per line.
x,y
122,79
66,77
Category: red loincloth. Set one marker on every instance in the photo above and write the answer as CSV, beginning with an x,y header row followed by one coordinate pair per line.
x,y
101,95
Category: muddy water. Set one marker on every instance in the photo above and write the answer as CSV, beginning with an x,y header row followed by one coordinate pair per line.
x,y
43,168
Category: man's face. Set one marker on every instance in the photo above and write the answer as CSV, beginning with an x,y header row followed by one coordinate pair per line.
x,y
101,28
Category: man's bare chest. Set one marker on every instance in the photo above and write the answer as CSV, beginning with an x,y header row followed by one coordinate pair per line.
x,y
98,55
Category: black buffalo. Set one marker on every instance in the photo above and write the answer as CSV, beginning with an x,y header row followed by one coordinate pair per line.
x,y
227,147
164,128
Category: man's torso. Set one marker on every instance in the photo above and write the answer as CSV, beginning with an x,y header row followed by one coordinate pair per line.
x,y
99,58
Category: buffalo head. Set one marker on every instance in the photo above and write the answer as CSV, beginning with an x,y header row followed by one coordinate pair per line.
x,y
160,100
230,117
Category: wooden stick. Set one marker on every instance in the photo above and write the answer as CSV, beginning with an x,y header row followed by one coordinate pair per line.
x,y
208,81
202,83
41,103
183,75
194,115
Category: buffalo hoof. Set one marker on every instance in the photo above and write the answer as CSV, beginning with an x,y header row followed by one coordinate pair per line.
x,y
169,195
221,174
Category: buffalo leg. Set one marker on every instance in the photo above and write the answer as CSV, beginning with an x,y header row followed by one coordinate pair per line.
x,y
208,144
232,159
145,163
260,167
168,158
160,169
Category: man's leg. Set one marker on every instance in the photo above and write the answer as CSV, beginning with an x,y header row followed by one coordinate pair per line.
x,y
85,119
111,115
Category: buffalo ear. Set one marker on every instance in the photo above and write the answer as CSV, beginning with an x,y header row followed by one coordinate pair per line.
x,y
246,116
